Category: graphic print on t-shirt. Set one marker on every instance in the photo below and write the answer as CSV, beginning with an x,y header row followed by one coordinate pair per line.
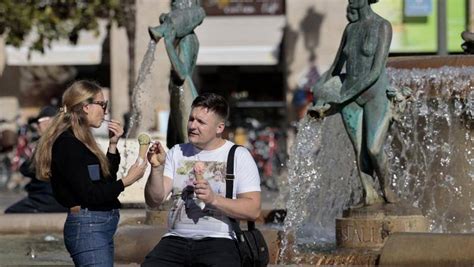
x,y
190,170
188,209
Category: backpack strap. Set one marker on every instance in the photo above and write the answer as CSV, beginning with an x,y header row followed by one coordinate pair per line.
x,y
229,176
229,189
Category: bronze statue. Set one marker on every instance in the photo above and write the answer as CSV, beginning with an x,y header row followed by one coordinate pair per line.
x,y
468,45
182,45
361,94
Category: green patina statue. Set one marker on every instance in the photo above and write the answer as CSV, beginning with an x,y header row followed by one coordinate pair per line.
x,y
182,45
362,95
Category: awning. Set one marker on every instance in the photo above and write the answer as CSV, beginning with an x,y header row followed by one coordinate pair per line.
x,y
224,40
57,55
88,51
240,40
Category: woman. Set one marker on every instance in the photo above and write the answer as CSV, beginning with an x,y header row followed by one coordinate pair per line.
x,y
83,178
360,94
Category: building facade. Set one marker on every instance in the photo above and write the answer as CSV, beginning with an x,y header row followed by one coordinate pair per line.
x,y
256,53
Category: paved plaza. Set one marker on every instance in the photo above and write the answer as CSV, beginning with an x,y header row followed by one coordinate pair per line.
x,y
47,247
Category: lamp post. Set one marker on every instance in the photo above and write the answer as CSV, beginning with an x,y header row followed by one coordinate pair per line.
x,y
442,28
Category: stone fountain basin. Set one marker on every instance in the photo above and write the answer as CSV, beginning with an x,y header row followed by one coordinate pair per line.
x,y
424,62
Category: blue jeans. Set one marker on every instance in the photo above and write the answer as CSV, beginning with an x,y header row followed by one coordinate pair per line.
x,y
179,252
89,237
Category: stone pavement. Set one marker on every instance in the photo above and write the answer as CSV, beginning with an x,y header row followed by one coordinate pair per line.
x,y
42,243
9,197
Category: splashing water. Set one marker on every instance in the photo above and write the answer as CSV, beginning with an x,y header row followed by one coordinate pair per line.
x,y
431,147
139,92
322,180
431,161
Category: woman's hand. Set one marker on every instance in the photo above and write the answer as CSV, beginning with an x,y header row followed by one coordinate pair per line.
x,y
136,171
156,155
115,131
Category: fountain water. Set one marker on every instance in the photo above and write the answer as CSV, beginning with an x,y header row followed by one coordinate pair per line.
x,y
431,158
138,95
139,90
431,146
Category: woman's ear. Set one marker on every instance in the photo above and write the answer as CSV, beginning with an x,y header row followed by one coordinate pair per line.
x,y
85,108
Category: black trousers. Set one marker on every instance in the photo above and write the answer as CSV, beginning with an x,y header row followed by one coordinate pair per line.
x,y
178,251
36,203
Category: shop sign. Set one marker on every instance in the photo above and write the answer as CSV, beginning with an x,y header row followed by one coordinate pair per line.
x,y
418,8
243,7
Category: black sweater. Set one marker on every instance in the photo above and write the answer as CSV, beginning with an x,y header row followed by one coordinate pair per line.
x,y
77,179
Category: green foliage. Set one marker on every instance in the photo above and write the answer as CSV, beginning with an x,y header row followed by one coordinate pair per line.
x,y
52,20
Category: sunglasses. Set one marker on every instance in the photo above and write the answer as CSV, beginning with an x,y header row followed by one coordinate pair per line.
x,y
103,104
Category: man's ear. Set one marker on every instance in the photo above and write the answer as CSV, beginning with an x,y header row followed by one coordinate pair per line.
x,y
220,127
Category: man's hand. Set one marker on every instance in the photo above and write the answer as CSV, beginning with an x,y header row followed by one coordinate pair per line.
x,y
203,191
156,155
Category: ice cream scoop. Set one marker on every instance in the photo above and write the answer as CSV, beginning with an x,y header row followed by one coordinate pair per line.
x,y
144,141
199,168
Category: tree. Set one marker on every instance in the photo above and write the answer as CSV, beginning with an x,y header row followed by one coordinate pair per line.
x,y
51,20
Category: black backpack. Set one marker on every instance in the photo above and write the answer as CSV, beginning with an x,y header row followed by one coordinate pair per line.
x,y
252,246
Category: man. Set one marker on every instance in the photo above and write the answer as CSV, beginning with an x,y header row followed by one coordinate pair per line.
x,y
40,195
201,235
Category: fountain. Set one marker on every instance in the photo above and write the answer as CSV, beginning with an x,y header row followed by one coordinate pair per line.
x,y
430,157
430,150
429,144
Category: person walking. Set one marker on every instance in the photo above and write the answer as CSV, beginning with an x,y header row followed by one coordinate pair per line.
x,y
83,178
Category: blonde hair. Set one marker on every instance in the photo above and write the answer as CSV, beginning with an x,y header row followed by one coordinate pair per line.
x,y
71,116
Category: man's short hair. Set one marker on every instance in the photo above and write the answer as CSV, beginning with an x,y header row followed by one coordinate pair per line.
x,y
214,103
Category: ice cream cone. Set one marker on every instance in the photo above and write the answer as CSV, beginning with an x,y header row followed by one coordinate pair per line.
x,y
144,141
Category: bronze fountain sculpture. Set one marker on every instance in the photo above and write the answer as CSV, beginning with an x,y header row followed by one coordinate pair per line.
x,y
182,45
362,95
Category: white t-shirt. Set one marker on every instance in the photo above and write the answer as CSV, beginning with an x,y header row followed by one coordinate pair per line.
x,y
191,218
